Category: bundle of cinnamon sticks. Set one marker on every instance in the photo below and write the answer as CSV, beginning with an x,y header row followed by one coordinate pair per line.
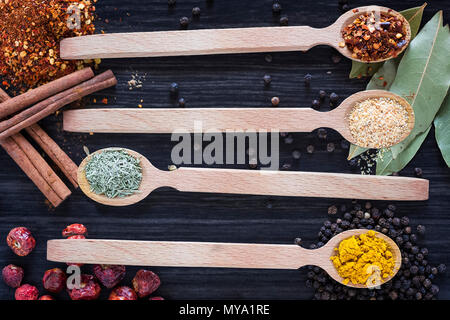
x,y
49,98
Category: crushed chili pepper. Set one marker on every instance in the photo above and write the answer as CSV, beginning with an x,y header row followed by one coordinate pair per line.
x,y
30,32
373,36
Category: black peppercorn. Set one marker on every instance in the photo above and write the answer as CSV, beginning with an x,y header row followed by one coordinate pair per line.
x,y
442,268
296,154
322,133
276,8
267,80
334,98
421,229
289,139
315,104
330,147
298,241
181,102
275,101
332,210
284,21
418,172
196,11
184,22
322,94
310,149
307,78
174,89
405,221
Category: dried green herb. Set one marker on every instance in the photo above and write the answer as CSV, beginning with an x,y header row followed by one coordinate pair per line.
x,y
423,79
414,17
442,129
114,173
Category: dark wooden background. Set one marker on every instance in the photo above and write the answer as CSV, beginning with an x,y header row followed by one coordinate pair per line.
x,y
217,81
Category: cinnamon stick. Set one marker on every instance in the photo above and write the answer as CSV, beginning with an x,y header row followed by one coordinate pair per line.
x,y
51,148
42,167
8,123
19,156
95,84
11,106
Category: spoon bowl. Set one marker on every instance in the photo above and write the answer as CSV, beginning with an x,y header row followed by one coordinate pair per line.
x,y
207,254
218,41
262,182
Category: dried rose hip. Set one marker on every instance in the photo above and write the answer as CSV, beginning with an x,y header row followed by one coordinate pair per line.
x,y
156,298
109,275
46,297
123,293
27,292
89,289
12,275
76,237
74,230
21,241
145,283
54,280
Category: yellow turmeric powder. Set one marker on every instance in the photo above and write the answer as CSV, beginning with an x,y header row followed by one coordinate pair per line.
x,y
364,259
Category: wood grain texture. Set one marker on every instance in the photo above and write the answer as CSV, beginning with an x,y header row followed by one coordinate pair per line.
x,y
207,254
228,81
215,41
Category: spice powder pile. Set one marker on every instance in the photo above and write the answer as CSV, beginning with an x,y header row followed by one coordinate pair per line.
x,y
30,32
373,36
378,122
364,260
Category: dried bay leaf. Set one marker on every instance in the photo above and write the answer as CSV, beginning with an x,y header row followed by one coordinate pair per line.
x,y
414,17
442,129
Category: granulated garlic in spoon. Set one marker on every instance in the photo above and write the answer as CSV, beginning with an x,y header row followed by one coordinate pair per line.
x,y
378,122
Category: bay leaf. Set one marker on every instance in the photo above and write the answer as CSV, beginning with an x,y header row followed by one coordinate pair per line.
x,y
442,129
414,17
423,76
387,165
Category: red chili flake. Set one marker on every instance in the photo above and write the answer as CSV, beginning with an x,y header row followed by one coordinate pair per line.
x,y
54,280
26,292
109,275
12,275
123,293
89,289
46,297
21,241
74,229
145,282
156,298
385,84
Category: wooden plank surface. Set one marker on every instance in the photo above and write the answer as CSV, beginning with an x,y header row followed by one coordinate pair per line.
x,y
217,81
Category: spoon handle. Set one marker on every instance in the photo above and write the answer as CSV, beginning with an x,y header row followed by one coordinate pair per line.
x,y
195,42
180,254
199,119
291,183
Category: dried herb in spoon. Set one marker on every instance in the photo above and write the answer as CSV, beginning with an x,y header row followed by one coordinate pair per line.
x,y
114,173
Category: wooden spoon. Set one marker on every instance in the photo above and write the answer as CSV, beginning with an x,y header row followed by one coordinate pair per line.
x,y
224,119
263,182
217,41
207,254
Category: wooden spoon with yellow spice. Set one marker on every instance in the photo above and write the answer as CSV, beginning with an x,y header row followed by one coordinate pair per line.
x,y
384,263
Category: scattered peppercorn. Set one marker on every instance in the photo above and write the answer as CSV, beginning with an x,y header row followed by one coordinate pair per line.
x,y
332,210
322,133
296,154
26,292
21,241
184,22
267,80
421,229
174,89
268,58
284,21
181,102
276,8
330,147
334,98
289,139
307,79
418,172
196,12
12,275
322,95
275,101
310,149
315,104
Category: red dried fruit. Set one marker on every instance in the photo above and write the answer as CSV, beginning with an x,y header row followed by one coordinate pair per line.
x,y
78,236
26,292
74,229
54,280
156,298
12,275
145,283
89,289
109,275
21,241
46,297
123,293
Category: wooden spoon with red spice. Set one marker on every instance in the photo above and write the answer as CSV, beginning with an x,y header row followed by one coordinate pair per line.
x,y
221,41
208,254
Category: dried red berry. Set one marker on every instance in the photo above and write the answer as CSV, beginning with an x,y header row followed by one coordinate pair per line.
x,y
145,283
12,275
76,237
46,297
123,293
109,275
54,280
21,241
74,230
89,289
26,292
156,298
